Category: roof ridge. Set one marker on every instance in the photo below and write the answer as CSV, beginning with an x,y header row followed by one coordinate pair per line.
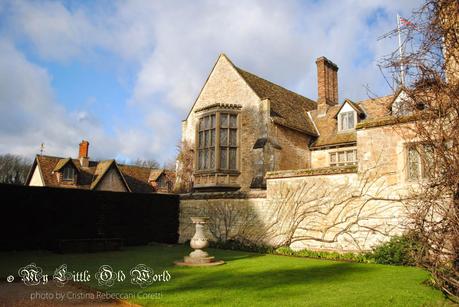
x,y
380,97
48,156
139,166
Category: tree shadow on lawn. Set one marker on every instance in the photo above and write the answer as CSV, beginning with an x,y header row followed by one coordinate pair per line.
x,y
231,278
232,255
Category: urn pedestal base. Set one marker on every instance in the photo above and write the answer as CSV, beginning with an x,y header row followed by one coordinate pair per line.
x,y
198,257
208,261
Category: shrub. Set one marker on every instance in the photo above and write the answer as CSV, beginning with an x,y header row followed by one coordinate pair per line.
x,y
238,245
399,250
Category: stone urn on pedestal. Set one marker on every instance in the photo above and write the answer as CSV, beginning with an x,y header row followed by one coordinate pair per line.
x,y
199,242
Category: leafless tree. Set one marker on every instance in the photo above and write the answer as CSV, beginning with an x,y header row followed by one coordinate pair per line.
x,y
314,210
184,171
432,101
330,212
14,168
146,163
232,221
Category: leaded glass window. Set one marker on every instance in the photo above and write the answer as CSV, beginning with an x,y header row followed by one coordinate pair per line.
x,y
224,149
414,163
206,143
420,161
228,141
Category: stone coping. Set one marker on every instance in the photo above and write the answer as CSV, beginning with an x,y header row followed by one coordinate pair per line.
x,y
225,195
312,172
386,121
220,105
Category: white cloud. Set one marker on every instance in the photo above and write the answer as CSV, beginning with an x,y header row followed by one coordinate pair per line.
x,y
30,114
278,40
54,31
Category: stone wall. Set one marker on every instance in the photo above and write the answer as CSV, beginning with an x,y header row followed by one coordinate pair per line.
x,y
239,208
341,214
334,212
295,148
384,148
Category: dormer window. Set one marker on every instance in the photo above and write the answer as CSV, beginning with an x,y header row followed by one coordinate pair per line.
x,y
346,120
68,174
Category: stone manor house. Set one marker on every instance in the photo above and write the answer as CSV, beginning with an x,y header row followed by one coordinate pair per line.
x,y
253,141
243,126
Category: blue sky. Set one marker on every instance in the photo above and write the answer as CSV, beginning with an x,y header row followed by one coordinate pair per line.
x,y
123,74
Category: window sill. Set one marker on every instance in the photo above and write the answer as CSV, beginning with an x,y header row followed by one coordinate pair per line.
x,y
342,164
346,130
217,172
216,187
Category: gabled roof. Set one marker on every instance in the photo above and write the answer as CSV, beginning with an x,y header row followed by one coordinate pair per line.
x,y
398,92
138,177
327,124
135,177
355,106
155,174
288,109
102,169
62,163
31,171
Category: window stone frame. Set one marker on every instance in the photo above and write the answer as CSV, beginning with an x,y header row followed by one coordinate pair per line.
x,y
340,121
337,163
217,111
420,149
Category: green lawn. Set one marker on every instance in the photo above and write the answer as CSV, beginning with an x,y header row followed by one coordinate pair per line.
x,y
248,279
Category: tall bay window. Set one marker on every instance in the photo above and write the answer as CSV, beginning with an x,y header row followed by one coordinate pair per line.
x,y
217,142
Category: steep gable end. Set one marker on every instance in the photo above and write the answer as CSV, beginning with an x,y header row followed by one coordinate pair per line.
x,y
108,168
400,104
64,162
35,176
224,85
351,104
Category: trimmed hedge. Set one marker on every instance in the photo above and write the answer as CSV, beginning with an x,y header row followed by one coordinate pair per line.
x,y
38,217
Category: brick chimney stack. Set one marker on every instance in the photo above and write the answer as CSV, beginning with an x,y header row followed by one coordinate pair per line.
x,y
327,79
83,153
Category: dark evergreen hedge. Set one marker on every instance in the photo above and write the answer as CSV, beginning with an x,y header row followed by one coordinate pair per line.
x,y
37,217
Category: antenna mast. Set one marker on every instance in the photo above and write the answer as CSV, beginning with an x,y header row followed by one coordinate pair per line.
x,y
400,48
